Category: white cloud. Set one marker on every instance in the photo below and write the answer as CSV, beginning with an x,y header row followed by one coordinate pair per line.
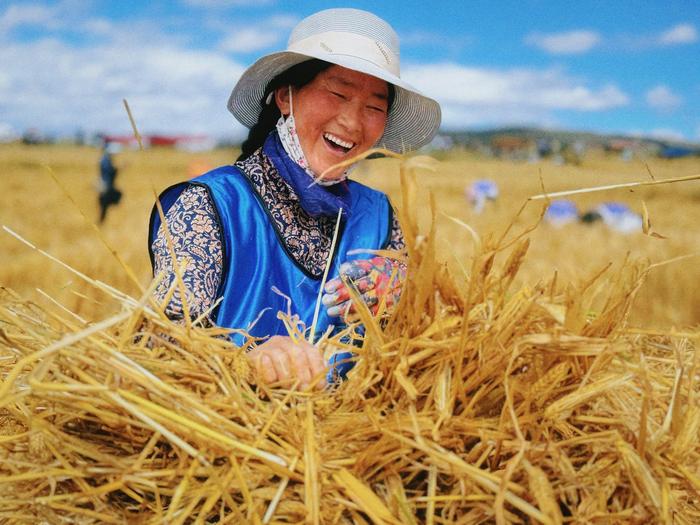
x,y
667,134
27,15
471,95
98,26
64,18
57,87
679,34
249,39
566,43
662,98
583,40
60,87
255,37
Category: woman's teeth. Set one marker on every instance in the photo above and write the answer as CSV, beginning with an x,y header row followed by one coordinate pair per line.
x,y
337,141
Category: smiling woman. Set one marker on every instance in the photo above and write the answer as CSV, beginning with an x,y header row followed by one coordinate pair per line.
x,y
254,238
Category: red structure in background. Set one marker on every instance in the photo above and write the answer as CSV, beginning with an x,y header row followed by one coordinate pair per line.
x,y
186,142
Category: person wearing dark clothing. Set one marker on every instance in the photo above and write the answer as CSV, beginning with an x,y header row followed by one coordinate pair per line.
x,y
109,195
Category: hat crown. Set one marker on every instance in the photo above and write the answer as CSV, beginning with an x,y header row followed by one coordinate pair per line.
x,y
346,20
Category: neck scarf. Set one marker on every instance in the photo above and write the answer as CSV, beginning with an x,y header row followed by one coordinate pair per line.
x,y
316,200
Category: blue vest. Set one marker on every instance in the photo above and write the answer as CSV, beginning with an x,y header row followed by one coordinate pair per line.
x,y
256,261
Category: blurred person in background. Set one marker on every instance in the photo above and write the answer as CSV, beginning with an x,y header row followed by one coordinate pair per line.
x,y
255,237
615,215
561,212
481,191
108,194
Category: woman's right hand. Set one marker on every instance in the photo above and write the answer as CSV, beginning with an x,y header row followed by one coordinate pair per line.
x,y
282,360
378,280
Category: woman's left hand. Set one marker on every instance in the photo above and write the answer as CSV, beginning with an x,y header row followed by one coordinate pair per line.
x,y
285,361
372,278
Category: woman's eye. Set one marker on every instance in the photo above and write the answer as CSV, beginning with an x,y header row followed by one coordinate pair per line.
x,y
378,109
339,95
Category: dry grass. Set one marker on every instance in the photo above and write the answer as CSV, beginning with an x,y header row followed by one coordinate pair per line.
x,y
576,252
34,206
480,401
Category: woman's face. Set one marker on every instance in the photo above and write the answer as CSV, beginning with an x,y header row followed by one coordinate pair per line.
x,y
338,115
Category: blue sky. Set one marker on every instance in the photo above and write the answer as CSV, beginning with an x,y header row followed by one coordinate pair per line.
x,y
607,66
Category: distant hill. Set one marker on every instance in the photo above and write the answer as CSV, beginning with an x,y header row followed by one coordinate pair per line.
x,y
468,137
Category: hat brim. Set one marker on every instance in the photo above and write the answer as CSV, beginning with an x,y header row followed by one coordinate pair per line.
x,y
413,120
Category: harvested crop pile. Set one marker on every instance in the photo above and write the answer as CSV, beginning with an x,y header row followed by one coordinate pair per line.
x,y
474,403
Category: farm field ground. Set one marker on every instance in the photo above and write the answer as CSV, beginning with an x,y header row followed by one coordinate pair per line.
x,y
40,210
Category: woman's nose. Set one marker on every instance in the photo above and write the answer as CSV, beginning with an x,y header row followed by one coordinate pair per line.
x,y
351,117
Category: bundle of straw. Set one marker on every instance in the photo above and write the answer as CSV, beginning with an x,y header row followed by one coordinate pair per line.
x,y
473,403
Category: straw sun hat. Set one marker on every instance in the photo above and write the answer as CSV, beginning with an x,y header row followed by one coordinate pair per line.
x,y
356,40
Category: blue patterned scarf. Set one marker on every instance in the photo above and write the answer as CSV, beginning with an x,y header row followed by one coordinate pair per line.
x,y
316,200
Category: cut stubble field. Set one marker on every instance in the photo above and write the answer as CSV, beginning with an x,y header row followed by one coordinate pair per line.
x,y
40,183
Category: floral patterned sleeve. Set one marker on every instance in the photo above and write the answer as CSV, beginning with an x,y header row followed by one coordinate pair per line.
x,y
397,241
196,238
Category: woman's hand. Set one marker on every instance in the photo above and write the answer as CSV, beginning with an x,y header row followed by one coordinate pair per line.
x,y
376,279
282,360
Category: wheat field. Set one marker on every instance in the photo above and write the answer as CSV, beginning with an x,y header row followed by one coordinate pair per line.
x,y
50,200
482,399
